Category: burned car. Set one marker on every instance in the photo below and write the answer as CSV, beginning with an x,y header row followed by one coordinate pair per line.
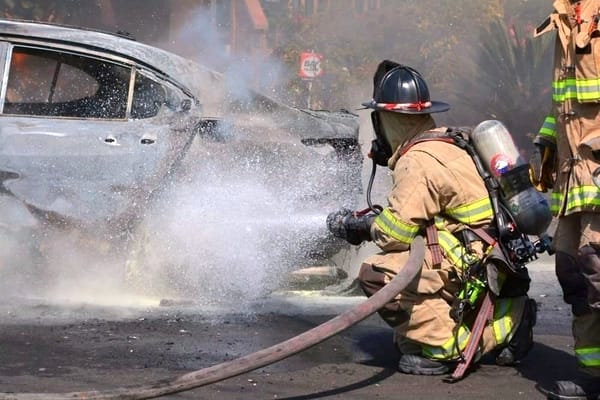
x,y
96,130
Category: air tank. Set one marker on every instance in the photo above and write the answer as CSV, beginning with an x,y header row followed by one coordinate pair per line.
x,y
499,154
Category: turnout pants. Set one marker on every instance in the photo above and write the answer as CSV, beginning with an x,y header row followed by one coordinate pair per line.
x,y
420,315
577,245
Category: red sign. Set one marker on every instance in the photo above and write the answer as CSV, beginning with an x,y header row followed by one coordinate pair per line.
x,y
310,65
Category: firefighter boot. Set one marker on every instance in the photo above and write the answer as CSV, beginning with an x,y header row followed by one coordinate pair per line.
x,y
585,388
417,365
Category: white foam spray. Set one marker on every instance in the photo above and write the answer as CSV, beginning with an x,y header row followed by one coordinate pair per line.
x,y
225,232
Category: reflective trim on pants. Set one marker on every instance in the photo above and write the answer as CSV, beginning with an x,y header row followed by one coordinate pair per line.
x,y
450,349
588,356
504,323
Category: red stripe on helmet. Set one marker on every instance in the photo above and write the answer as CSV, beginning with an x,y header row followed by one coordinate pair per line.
x,y
405,106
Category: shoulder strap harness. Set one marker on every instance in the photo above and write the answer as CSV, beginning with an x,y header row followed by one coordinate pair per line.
x,y
460,138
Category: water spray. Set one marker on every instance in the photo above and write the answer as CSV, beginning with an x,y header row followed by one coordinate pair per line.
x,y
260,358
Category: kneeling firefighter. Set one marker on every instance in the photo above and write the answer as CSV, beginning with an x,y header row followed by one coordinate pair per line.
x,y
439,191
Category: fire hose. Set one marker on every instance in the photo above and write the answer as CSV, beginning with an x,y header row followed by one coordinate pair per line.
x,y
260,358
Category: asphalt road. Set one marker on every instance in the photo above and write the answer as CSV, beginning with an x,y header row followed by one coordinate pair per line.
x,y
57,348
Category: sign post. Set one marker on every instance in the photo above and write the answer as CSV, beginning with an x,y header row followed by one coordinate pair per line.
x,y
310,69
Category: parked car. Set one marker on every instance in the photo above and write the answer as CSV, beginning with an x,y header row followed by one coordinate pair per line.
x,y
95,126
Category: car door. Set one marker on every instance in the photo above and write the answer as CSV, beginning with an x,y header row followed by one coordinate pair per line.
x,y
83,138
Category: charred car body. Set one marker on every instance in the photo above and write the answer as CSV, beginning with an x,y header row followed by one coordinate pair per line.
x,y
94,125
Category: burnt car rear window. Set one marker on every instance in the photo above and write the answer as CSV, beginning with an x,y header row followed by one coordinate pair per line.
x,y
49,83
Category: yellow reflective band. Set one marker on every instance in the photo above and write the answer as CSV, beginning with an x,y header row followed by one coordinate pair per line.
x,y
577,198
440,222
448,350
503,324
548,128
395,228
582,196
588,356
582,90
563,90
556,202
588,89
473,212
454,250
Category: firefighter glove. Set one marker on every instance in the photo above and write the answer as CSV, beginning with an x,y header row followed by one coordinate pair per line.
x,y
541,168
350,226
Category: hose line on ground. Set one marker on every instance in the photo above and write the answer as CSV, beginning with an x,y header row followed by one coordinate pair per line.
x,y
260,358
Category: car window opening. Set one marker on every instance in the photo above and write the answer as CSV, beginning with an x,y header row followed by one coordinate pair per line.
x,y
148,97
55,84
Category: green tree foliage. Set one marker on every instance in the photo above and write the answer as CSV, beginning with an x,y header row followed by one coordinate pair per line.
x,y
478,56
31,10
70,12
512,80
426,34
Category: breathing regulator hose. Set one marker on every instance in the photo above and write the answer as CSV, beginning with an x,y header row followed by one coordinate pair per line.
x,y
376,208
260,358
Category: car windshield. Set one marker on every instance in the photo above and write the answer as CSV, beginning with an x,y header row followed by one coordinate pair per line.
x,y
49,83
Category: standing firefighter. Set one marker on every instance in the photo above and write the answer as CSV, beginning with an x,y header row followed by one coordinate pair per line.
x,y
567,159
439,192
